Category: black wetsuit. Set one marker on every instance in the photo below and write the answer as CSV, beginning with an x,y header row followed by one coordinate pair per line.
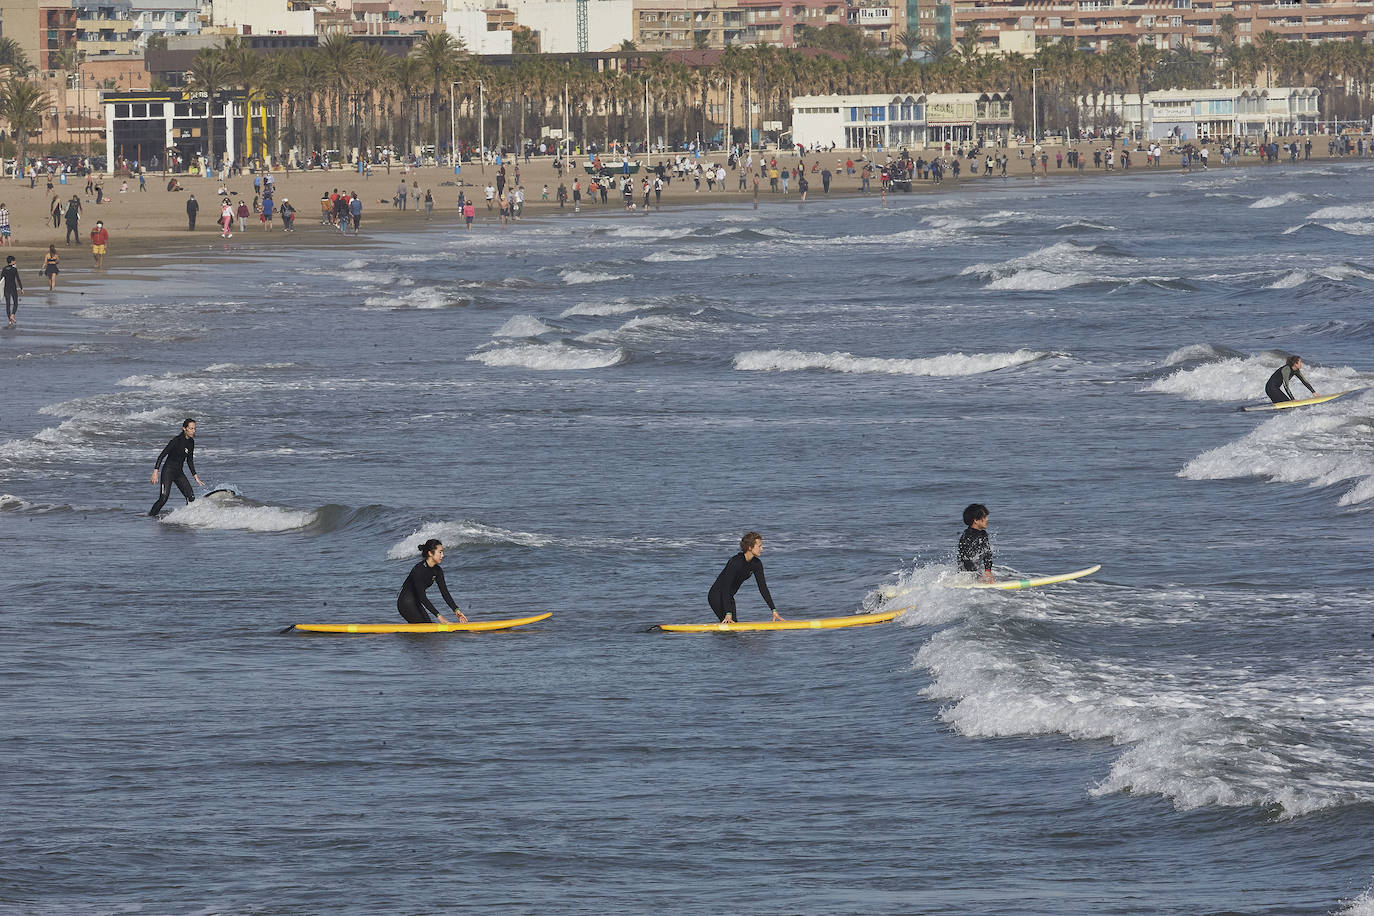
x,y
1277,387
182,448
412,602
13,284
736,572
975,551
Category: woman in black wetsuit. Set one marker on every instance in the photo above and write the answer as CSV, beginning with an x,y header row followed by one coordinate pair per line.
x,y
412,602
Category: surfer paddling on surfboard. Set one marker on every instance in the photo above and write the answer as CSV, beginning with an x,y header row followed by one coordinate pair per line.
x,y
1277,388
975,550
737,571
412,603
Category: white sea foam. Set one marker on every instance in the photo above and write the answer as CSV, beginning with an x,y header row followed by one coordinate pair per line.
x,y
1320,448
1243,379
461,533
1058,266
1194,737
1362,905
579,277
1277,200
554,356
1033,279
647,326
206,514
523,326
11,503
421,297
1190,353
606,309
949,364
1344,212
676,255
1293,278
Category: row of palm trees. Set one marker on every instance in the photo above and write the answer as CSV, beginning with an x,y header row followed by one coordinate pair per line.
x,y
347,93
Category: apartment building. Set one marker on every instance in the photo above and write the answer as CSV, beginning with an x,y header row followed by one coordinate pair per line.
x,y
903,121
880,20
1166,23
680,25
1217,114
122,27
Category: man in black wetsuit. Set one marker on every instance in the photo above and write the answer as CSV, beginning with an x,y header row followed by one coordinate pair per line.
x,y
412,602
1277,388
741,566
975,550
181,449
14,288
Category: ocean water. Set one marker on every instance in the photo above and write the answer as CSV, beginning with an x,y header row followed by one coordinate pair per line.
x,y
589,412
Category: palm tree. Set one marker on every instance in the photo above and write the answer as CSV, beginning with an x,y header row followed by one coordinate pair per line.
x,y
210,74
410,84
22,105
246,70
441,54
13,58
1268,43
339,53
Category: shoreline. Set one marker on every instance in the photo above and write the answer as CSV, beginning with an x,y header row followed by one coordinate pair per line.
x,y
145,225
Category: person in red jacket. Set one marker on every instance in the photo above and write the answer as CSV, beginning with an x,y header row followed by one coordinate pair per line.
x,y
100,237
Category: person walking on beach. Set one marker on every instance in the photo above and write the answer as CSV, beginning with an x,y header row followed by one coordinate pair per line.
x,y
181,449
974,553
288,215
737,571
5,226
100,237
14,288
50,268
243,215
429,204
73,219
192,208
55,208
355,211
412,603
226,220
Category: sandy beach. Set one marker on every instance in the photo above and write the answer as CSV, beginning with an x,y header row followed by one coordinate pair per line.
x,y
155,221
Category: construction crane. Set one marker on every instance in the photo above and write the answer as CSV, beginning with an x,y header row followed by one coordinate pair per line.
x,y
582,26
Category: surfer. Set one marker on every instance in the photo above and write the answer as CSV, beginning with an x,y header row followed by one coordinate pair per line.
x,y
740,567
1277,388
975,550
412,603
181,448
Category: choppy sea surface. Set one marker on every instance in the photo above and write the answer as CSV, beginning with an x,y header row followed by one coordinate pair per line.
x,y
589,412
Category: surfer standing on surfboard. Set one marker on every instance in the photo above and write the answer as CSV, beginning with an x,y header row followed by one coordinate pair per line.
x,y
412,602
975,550
1277,388
740,567
180,450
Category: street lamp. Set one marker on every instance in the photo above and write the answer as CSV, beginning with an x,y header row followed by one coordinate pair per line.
x,y
1035,110
482,124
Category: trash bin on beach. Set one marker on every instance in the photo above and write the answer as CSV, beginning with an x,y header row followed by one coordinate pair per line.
x,y
62,179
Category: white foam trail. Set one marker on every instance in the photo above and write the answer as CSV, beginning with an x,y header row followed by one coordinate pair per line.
x,y
649,326
1279,200
669,257
1189,353
1243,379
1319,448
523,326
11,503
422,297
1041,280
459,533
605,309
1293,278
1345,211
950,364
579,277
550,357
206,514
1362,905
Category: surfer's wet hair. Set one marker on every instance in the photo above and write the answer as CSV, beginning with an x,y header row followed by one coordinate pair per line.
x,y
428,547
750,538
975,512
1292,361
187,422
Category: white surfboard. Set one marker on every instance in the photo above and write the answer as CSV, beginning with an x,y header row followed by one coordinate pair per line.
x,y
1013,584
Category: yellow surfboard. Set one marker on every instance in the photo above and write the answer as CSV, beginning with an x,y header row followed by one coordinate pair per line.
x,y
472,626
1305,402
1011,584
823,623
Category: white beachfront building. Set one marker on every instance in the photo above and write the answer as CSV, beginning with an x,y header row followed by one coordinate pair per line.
x,y
910,121
1216,114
